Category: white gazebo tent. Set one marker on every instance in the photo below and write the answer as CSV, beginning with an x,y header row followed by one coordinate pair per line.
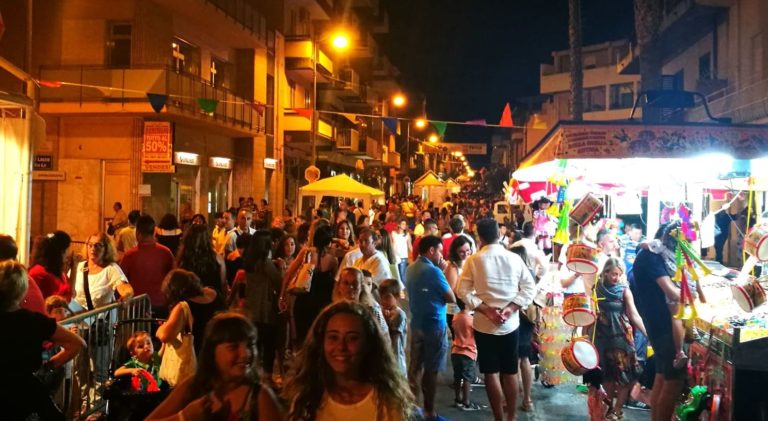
x,y
452,186
429,187
20,125
340,186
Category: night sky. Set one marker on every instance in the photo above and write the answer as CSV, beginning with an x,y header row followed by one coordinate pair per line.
x,y
471,57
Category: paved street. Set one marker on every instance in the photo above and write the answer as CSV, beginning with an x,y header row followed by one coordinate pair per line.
x,y
558,403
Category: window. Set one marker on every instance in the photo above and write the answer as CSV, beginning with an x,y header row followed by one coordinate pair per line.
x,y
705,67
292,98
119,45
185,57
594,99
622,96
220,73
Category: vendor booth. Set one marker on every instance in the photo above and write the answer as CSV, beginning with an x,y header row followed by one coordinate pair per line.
x,y
451,186
339,186
430,188
686,170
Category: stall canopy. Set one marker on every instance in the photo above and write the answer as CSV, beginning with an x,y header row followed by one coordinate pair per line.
x,y
340,186
452,186
429,179
430,187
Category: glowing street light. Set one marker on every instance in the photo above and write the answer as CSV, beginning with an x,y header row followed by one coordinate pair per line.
x,y
399,100
340,41
420,123
433,138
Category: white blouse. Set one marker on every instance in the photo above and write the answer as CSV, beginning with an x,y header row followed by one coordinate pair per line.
x,y
102,285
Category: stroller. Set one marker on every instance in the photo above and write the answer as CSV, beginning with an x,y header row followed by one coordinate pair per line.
x,y
123,401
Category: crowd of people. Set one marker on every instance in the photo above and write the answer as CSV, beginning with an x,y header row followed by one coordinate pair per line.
x,y
314,314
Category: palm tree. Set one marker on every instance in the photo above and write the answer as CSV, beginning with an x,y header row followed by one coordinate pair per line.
x,y
648,14
577,72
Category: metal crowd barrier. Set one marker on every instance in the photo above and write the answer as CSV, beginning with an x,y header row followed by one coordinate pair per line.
x,y
81,393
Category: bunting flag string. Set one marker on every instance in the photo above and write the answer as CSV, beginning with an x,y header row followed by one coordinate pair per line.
x,y
159,101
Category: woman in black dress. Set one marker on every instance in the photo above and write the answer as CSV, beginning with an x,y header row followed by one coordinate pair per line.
x,y
308,306
196,255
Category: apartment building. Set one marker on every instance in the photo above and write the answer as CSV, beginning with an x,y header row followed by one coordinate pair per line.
x,y
226,76
718,48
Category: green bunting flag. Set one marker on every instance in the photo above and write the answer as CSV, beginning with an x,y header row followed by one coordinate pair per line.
x,y
207,105
440,126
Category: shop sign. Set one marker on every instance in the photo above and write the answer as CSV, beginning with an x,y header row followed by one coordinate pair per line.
x,y
43,162
145,190
186,158
157,147
467,148
270,163
49,175
220,163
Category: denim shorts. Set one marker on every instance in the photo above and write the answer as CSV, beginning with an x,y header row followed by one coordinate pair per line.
x,y
428,349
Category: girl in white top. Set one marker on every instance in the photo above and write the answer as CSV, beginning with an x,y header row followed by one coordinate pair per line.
x,y
402,247
104,275
347,371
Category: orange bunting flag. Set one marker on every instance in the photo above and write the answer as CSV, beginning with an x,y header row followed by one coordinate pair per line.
x,y
304,112
49,83
506,117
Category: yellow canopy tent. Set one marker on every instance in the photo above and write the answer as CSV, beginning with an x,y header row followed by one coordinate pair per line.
x,y
430,187
340,186
452,186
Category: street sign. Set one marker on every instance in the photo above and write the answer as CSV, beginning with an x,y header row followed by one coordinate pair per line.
x,y
467,148
42,162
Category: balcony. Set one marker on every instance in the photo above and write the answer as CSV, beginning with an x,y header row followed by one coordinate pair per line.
x,y
237,22
364,48
745,103
381,25
348,140
372,148
123,91
352,86
299,57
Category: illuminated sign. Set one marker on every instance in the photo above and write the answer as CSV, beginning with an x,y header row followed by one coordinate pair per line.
x,y
270,163
157,147
186,158
220,163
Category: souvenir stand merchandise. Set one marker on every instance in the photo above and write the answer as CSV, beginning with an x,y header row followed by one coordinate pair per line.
x,y
554,334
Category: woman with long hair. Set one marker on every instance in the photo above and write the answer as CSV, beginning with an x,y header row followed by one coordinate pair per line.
x,y
286,252
384,245
307,306
401,246
614,338
48,269
352,286
168,232
347,371
259,284
184,286
226,385
197,255
459,251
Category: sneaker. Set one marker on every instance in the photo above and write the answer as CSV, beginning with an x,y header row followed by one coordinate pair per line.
x,y
478,382
471,406
637,405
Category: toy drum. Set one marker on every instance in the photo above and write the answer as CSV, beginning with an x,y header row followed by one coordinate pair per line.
x,y
577,311
748,295
586,209
581,258
756,243
579,356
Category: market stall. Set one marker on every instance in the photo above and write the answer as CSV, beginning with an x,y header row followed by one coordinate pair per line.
x,y
340,186
451,186
672,166
430,188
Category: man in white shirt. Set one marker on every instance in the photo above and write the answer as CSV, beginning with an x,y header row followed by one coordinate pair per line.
x,y
535,259
496,284
374,261
244,218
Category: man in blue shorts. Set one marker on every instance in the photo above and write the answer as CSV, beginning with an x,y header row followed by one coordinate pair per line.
x,y
428,292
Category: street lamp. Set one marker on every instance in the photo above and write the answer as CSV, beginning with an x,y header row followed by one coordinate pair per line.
x,y
399,100
420,123
433,138
340,41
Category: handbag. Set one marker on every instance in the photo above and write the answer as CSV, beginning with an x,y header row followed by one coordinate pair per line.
x,y
98,332
301,283
179,361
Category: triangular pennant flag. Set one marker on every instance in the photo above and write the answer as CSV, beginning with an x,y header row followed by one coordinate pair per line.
x,y
506,117
304,112
351,117
479,122
392,125
157,101
49,83
440,126
207,105
259,108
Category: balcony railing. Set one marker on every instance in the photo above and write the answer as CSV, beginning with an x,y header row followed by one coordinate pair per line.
x,y
98,85
243,13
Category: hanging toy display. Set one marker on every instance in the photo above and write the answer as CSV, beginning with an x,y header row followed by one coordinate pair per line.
x,y
685,258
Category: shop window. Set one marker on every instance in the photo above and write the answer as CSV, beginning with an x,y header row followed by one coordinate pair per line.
x,y
119,44
622,96
594,99
185,58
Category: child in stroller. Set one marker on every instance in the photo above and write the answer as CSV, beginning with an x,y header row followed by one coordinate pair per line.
x,y
144,365
136,388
